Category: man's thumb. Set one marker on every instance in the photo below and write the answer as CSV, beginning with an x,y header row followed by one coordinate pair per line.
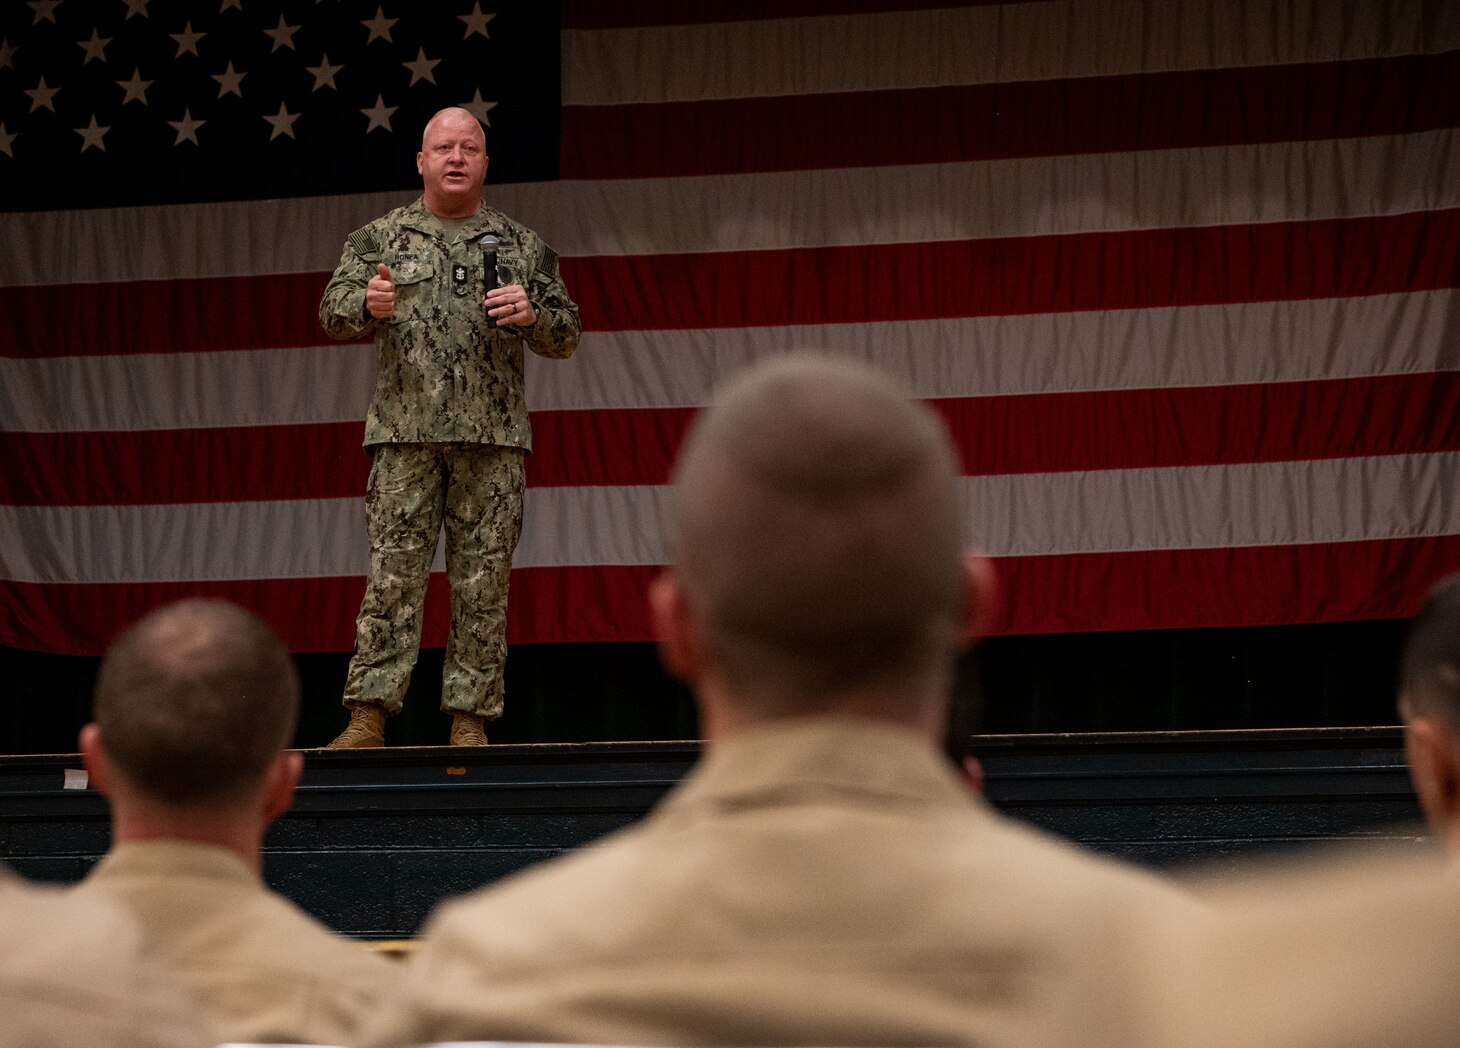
x,y
382,270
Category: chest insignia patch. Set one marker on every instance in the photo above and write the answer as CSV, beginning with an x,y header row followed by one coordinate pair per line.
x,y
458,279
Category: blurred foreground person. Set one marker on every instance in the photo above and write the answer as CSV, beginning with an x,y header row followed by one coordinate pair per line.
x,y
824,876
1330,951
194,705
1429,701
75,974
1348,949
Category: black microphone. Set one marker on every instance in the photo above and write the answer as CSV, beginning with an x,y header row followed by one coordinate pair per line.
x,y
489,261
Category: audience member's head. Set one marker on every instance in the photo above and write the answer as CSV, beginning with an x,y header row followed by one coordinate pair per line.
x,y
194,705
1429,700
817,561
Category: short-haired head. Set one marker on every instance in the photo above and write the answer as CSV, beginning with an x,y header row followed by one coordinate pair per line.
x,y
456,117
1429,669
452,163
815,532
195,701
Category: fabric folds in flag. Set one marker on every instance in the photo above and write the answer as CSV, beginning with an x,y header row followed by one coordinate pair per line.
x,y
1183,279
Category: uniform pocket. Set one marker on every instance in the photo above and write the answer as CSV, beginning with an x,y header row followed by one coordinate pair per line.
x,y
413,275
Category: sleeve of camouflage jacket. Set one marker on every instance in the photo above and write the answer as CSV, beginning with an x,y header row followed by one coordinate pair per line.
x,y
555,334
342,310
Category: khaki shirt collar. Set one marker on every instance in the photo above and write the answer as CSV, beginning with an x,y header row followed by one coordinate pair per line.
x,y
858,759
184,858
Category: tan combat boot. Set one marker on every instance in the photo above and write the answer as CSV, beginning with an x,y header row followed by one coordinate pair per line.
x,y
466,730
366,729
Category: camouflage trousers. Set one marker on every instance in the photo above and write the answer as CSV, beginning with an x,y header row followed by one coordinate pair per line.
x,y
476,490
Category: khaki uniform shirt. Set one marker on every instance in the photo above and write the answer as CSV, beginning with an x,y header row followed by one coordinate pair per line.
x,y
445,372
824,881
1320,951
261,968
75,972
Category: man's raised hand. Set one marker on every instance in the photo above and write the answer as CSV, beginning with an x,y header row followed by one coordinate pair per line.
x,y
380,293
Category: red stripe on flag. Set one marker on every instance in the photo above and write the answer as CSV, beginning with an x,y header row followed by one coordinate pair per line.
x,y
1329,258
1103,114
226,464
1087,430
606,446
185,315
308,614
607,602
1039,433
1021,275
1161,589
1212,425
1210,588
640,14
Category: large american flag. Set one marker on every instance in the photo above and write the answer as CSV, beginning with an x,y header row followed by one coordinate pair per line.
x,y
1181,276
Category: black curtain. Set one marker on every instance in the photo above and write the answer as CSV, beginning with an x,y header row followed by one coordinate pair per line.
x,y
1327,675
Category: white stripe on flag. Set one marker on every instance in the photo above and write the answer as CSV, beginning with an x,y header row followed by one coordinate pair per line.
x,y
187,390
984,44
1097,193
1289,341
1281,503
981,356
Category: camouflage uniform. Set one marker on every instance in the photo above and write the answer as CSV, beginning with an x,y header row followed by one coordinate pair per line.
x,y
448,429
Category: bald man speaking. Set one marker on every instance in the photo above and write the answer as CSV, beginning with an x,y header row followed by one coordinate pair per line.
x,y
453,292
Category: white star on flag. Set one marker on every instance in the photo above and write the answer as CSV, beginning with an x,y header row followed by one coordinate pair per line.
x,y
380,115
229,81
135,89
41,95
282,35
91,136
476,22
282,122
379,26
5,139
478,108
45,10
324,73
187,40
422,66
187,128
95,48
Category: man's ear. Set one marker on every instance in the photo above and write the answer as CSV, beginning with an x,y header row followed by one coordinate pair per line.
x,y
681,648
972,770
93,758
981,585
1433,752
279,785
420,164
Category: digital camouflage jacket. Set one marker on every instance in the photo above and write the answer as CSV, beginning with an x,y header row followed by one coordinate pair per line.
x,y
444,370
